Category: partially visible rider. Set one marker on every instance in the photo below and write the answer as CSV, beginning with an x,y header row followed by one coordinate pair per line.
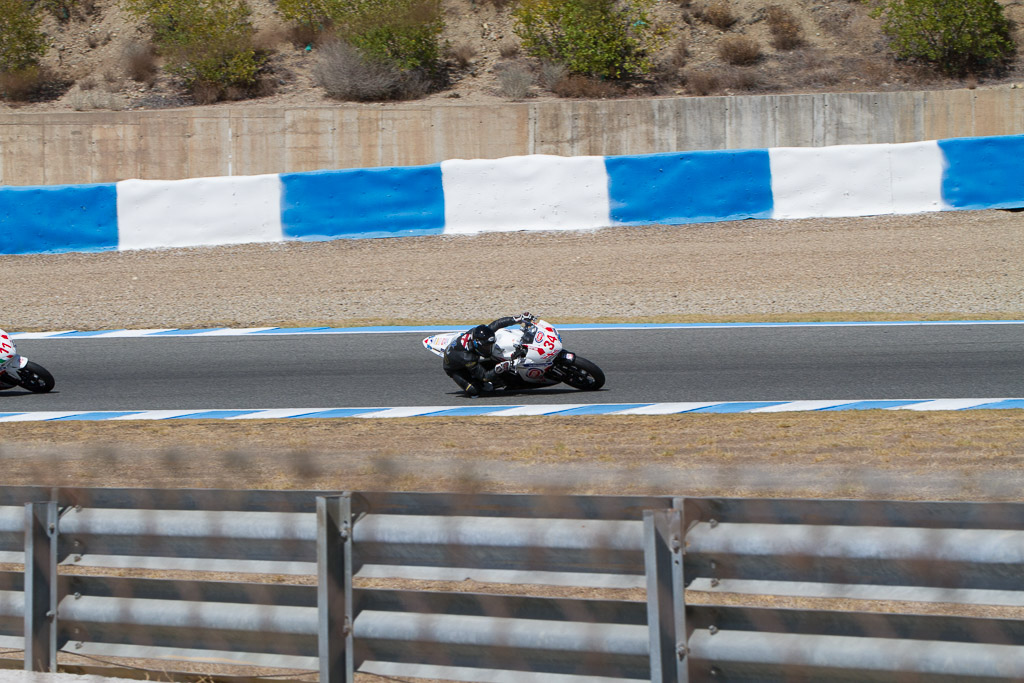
x,y
469,359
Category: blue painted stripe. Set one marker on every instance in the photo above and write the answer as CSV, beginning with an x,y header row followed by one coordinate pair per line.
x,y
364,202
983,173
290,330
691,187
213,414
1000,405
736,407
58,218
85,333
870,405
600,409
185,333
97,415
11,414
468,411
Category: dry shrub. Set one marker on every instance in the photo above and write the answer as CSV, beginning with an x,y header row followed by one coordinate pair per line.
x,y
89,100
345,74
678,55
738,79
140,62
514,81
509,49
703,82
784,27
576,86
497,4
551,73
739,50
719,15
32,84
205,93
462,54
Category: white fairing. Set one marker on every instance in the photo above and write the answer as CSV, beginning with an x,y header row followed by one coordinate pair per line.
x,y
8,354
540,353
10,361
439,342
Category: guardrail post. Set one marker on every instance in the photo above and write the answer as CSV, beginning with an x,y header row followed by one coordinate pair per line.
x,y
334,588
666,608
41,586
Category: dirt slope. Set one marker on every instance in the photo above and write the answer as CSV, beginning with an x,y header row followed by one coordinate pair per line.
x,y
843,50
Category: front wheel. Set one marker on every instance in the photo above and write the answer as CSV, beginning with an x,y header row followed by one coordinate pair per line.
x,y
581,374
35,378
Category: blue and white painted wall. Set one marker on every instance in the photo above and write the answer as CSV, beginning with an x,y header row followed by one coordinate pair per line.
x,y
518,193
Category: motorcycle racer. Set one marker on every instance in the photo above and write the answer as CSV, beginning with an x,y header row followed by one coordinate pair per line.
x,y
469,359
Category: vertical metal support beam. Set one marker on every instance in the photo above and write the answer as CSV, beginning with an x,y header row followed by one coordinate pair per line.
x,y
41,586
334,588
666,609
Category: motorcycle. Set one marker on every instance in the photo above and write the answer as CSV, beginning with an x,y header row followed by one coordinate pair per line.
x,y
17,370
535,348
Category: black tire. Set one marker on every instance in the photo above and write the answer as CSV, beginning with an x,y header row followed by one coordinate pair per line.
x,y
35,378
583,375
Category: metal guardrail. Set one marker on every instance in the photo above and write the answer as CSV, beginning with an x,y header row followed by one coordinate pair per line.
x,y
336,628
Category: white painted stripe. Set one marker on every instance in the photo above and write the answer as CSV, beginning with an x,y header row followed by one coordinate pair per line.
x,y
38,335
522,411
917,169
536,192
227,332
856,180
277,413
800,405
952,403
410,411
666,408
130,333
159,414
198,211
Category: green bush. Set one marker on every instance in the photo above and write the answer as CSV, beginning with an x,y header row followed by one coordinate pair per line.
x,y
401,33
599,38
208,43
22,42
957,36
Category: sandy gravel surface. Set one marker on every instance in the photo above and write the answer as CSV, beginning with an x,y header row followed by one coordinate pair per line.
x,y
964,264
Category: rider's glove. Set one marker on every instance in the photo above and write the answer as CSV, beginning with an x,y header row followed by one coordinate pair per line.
x,y
525,316
503,367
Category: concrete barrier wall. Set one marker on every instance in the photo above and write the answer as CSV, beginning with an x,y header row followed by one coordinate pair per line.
x,y
535,192
229,140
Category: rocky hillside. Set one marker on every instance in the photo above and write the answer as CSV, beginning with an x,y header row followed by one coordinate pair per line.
x,y
839,48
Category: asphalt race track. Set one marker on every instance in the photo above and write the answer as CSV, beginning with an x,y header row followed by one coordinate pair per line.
x,y
642,366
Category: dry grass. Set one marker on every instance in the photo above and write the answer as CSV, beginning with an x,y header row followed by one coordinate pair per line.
x,y
964,455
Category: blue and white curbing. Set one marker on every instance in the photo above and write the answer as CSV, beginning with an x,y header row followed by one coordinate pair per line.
x,y
434,329
535,192
552,410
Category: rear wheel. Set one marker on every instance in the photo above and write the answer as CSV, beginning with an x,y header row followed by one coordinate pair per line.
x,y
35,378
581,374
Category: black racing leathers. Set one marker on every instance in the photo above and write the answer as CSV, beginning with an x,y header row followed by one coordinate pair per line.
x,y
472,372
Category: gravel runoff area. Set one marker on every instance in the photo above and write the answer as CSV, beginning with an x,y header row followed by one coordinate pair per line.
x,y
932,266
959,264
